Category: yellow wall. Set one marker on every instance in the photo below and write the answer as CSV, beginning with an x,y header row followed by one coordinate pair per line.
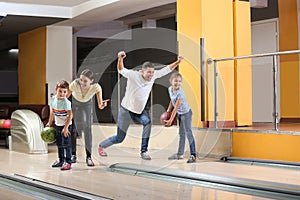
x,y
201,18
32,67
289,64
266,146
189,34
217,30
243,68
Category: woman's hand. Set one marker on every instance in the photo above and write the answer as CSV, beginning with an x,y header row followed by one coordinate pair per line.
x,y
103,104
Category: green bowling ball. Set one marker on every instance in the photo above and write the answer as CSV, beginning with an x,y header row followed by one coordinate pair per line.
x,y
48,134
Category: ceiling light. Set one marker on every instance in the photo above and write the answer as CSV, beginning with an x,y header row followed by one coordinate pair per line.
x,y
13,51
259,3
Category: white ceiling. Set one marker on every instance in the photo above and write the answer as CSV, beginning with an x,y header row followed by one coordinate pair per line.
x,y
66,3
18,16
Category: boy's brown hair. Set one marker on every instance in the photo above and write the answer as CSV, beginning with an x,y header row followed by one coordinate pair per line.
x,y
62,84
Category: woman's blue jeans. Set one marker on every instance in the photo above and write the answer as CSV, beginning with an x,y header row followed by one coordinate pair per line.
x,y
125,117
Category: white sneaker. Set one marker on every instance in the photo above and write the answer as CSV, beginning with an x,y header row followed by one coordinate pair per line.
x,y
145,156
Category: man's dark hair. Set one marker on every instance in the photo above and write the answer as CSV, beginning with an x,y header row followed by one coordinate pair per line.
x,y
147,64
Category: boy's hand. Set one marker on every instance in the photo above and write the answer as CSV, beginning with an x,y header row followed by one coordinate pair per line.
x,y
66,132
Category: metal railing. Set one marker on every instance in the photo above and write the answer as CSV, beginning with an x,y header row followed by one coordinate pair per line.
x,y
275,81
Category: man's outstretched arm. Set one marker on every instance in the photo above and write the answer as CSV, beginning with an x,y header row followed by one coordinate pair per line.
x,y
173,65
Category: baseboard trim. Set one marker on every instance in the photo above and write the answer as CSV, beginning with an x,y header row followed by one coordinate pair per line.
x,y
289,120
221,124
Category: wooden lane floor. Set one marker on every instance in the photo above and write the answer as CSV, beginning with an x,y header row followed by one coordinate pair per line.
x,y
100,181
9,194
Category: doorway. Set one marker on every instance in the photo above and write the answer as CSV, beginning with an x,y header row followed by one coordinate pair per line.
x,y
264,40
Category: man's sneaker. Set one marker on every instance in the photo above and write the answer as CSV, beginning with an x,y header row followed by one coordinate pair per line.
x,y
145,156
89,162
57,164
66,166
73,159
101,151
192,159
175,157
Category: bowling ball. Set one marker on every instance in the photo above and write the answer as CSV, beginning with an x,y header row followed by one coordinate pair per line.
x,y
166,116
6,123
48,134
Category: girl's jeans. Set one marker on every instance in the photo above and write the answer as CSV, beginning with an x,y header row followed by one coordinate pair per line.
x,y
185,130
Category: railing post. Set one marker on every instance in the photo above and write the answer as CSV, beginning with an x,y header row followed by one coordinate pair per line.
x,y
215,94
275,90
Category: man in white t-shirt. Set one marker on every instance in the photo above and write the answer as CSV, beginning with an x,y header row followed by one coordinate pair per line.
x,y
139,85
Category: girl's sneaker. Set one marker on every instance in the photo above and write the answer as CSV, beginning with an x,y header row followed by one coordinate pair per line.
x,y
192,159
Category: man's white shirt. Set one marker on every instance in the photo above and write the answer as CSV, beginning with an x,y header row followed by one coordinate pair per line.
x,y
138,89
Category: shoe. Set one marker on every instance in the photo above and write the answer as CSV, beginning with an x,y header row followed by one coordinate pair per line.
x,y
66,166
101,151
89,162
57,164
73,159
175,157
192,159
145,156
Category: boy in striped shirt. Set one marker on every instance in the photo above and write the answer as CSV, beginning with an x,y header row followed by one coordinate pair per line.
x,y
60,110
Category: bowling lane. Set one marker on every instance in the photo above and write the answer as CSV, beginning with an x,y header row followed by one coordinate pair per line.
x,y
99,181
9,194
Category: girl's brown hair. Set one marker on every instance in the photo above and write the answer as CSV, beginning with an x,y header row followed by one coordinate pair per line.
x,y
175,75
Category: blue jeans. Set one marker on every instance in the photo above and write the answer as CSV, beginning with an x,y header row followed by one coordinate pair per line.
x,y
185,130
64,145
124,119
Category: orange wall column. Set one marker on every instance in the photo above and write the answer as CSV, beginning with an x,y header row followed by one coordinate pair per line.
x,y
32,67
289,64
203,19
242,67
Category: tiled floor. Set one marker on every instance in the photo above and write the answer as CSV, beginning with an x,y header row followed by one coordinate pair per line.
x,y
101,181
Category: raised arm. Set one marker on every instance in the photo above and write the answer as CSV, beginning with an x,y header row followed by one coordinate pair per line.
x,y
121,56
173,65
